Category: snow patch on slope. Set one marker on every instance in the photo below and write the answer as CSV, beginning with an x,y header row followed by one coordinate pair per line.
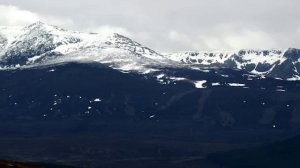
x,y
200,84
236,84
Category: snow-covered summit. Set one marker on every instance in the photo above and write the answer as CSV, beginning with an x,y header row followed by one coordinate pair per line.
x,y
42,43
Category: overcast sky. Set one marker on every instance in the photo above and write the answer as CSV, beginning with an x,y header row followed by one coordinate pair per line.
x,y
170,25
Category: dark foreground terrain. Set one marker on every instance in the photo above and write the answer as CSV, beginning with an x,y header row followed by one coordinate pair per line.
x,y
276,155
101,144
88,115
151,153
14,164
135,145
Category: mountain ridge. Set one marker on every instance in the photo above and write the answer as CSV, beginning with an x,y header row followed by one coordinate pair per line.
x,y
40,43
260,62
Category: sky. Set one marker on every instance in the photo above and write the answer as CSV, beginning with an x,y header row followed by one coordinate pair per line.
x,y
170,25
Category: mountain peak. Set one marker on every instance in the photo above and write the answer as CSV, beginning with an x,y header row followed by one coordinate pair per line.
x,y
43,43
43,26
38,23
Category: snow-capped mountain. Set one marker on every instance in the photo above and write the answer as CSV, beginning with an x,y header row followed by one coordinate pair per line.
x,y
40,44
283,64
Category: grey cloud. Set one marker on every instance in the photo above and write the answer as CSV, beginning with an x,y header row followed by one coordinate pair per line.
x,y
173,25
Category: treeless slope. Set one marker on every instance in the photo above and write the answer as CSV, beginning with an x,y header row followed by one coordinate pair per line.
x,y
11,164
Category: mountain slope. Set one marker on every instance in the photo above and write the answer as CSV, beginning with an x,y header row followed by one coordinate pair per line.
x,y
283,64
96,91
40,43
